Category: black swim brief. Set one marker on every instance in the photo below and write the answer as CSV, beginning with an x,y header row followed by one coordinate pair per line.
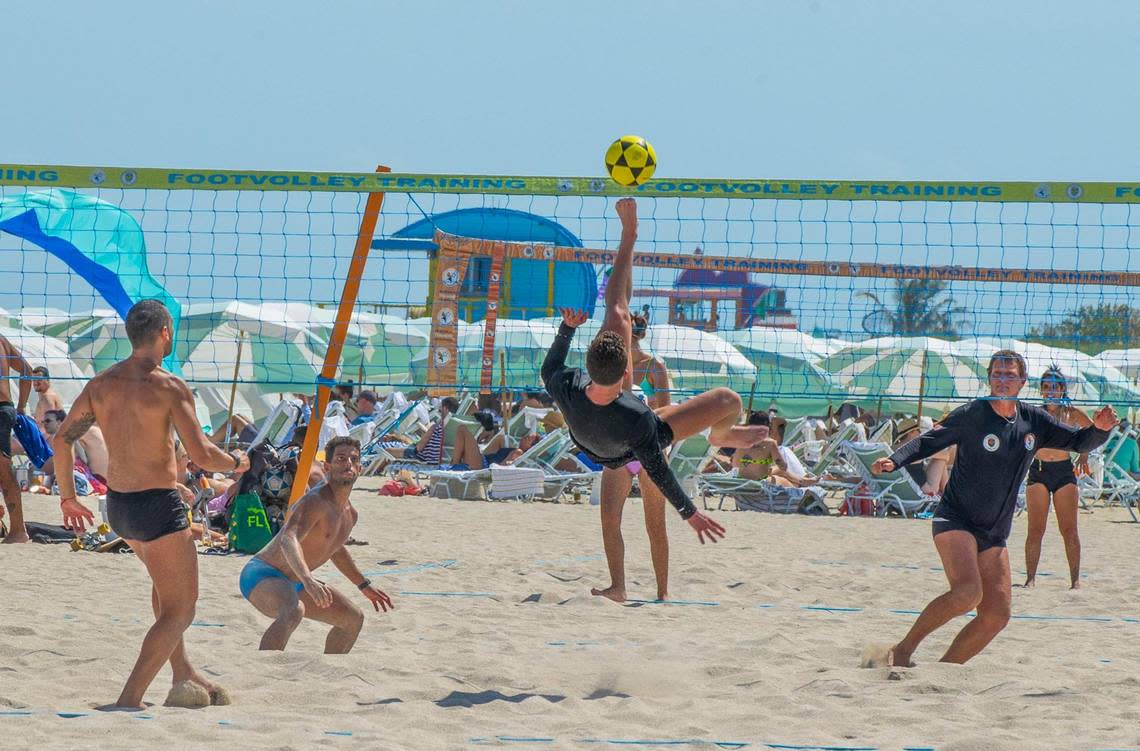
x,y
985,542
146,515
7,422
1053,475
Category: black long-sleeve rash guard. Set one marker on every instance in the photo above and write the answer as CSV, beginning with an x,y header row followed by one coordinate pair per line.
x,y
994,453
613,434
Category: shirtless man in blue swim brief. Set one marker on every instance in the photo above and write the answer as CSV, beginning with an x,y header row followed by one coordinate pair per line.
x,y
279,580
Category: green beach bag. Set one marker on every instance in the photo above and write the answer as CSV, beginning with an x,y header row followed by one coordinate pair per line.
x,y
249,525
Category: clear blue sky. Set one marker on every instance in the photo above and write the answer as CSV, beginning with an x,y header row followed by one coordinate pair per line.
x,y
828,88
924,90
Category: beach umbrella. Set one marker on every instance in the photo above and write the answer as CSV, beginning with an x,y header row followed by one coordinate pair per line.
x,y
278,353
900,372
378,348
786,373
39,349
1127,361
58,323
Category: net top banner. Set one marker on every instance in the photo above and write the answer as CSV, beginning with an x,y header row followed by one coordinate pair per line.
x,y
33,175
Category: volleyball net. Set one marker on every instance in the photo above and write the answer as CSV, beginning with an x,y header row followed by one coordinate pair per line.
x,y
798,294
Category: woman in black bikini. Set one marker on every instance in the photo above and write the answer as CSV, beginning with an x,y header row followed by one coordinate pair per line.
x,y
1052,474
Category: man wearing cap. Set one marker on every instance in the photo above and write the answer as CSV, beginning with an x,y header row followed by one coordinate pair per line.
x,y
365,407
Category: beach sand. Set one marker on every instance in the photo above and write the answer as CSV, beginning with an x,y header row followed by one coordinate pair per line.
x,y
495,641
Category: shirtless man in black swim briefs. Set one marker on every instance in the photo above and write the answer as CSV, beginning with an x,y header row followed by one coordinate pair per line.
x,y
137,403
614,427
996,440
279,580
12,362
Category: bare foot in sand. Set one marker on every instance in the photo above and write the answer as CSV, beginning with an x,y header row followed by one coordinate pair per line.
x,y
1075,585
617,594
739,436
1029,583
117,708
14,537
883,656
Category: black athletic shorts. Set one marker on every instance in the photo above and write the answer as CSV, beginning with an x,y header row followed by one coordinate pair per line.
x,y
146,515
985,542
664,441
7,422
1053,475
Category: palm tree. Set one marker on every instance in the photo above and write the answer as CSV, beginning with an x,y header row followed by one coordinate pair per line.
x,y
917,311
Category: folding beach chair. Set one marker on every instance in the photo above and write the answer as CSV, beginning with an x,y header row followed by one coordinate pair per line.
x,y
761,495
472,484
278,425
892,490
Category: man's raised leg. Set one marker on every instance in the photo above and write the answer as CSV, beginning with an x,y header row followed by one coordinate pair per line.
x,y
718,411
172,563
345,618
653,502
993,610
959,553
277,598
615,489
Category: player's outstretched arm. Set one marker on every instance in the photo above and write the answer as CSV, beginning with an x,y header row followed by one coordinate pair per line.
x,y
344,563
620,284
79,420
203,453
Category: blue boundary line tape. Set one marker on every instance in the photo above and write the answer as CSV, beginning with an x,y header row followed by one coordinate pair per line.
x,y
345,733
413,569
704,603
831,609
666,742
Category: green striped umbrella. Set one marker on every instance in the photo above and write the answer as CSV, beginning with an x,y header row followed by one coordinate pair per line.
x,y
891,370
785,369
278,354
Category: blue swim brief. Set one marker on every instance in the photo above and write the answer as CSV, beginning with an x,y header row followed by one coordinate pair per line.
x,y
257,571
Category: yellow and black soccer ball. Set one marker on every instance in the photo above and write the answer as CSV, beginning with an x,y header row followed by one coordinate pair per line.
x,y
631,160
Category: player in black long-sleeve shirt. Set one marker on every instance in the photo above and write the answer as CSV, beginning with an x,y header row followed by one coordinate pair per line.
x,y
996,440
615,428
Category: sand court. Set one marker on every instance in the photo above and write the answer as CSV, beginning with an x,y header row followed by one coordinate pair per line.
x,y
496,642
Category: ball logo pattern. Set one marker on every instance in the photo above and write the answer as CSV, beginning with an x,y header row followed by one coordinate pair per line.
x,y
631,160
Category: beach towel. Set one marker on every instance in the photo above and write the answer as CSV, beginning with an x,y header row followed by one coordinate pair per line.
x,y
33,440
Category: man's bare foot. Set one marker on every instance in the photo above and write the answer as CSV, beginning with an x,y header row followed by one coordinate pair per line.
x,y
1030,582
15,537
739,436
898,658
118,708
1075,585
662,596
614,593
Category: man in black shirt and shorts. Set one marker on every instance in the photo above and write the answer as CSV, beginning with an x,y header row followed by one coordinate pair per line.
x,y
996,439
615,428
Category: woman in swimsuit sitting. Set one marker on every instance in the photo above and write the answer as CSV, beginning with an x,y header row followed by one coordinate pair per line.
x,y
764,461
1051,473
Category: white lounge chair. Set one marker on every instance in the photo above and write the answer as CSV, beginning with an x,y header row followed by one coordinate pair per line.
x,y
891,490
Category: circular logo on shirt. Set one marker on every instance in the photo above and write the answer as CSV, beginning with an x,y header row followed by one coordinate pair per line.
x,y
991,442
1030,442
